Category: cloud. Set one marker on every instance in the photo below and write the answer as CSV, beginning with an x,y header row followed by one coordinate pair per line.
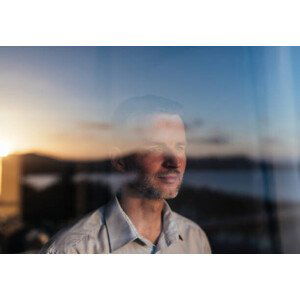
x,y
210,140
94,125
270,141
196,123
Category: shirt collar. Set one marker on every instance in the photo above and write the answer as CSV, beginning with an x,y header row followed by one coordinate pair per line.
x,y
121,230
170,226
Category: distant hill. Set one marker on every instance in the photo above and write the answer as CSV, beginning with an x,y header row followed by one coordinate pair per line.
x,y
37,163
232,162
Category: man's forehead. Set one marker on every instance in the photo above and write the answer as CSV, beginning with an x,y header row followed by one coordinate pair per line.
x,y
159,128
164,127
163,121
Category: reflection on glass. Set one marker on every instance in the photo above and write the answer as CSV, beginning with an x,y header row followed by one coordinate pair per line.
x,y
241,183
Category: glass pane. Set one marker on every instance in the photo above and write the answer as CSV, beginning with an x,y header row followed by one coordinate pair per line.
x,y
59,132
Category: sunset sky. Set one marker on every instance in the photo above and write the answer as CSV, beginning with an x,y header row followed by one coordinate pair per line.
x,y
239,100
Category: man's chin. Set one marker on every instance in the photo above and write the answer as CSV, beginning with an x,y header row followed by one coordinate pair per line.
x,y
152,191
170,194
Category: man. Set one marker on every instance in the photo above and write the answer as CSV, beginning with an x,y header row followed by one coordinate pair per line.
x,y
138,219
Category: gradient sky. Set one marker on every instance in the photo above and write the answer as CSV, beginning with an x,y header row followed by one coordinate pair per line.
x,y
239,100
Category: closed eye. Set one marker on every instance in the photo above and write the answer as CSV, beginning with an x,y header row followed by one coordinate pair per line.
x,y
156,148
181,147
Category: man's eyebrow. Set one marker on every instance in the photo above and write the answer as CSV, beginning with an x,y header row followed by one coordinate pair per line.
x,y
155,143
163,144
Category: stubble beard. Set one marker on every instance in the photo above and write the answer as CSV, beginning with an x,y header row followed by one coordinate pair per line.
x,y
147,189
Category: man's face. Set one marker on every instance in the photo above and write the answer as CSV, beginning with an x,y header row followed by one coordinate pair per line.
x,y
161,159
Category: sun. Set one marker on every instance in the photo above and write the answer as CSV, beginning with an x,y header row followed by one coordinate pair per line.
x,y
5,149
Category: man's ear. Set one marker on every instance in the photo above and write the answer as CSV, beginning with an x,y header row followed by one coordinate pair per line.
x,y
116,159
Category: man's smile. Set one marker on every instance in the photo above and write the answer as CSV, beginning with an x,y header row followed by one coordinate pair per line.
x,y
170,178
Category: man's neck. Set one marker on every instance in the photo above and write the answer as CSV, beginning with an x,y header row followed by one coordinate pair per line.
x,y
145,214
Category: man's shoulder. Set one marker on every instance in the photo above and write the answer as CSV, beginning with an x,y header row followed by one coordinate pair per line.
x,y
192,232
66,239
185,223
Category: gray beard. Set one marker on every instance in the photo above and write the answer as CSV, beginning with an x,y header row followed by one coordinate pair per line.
x,y
145,189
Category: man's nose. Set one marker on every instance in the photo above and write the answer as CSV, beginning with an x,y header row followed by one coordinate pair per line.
x,y
171,160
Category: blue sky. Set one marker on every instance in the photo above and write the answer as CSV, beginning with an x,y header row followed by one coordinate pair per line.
x,y
245,97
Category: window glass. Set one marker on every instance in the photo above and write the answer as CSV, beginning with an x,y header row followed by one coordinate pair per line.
x,y
59,128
